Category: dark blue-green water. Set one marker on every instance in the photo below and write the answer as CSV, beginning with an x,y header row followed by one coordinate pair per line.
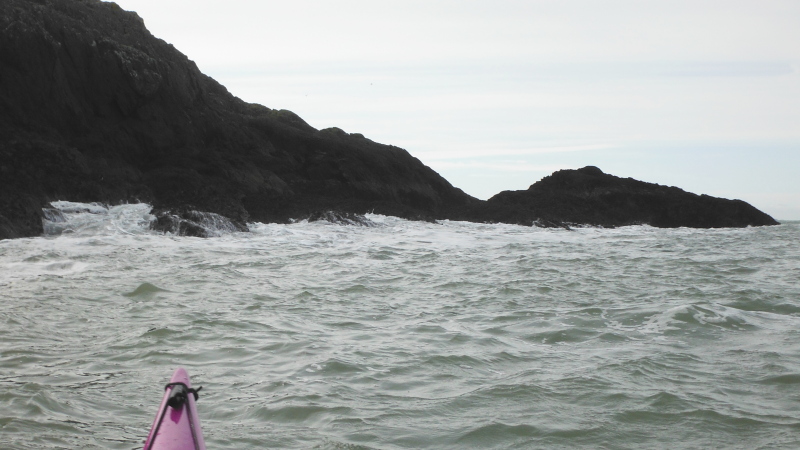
x,y
403,335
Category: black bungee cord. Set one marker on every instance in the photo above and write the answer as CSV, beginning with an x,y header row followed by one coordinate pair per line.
x,y
177,398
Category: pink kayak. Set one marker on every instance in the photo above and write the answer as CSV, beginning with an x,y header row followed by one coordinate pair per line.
x,y
177,426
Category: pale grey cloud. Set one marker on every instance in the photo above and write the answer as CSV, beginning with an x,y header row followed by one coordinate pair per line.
x,y
459,83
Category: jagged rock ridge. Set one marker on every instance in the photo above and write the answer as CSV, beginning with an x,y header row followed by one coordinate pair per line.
x,y
588,196
94,108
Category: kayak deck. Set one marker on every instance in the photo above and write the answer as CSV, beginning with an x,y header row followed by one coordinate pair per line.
x,y
177,426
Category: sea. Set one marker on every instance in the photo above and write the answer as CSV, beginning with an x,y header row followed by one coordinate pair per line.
x,y
397,334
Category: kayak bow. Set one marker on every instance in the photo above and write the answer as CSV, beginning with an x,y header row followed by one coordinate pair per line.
x,y
176,426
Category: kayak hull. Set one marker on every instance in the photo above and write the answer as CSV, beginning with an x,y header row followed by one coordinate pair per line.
x,y
176,428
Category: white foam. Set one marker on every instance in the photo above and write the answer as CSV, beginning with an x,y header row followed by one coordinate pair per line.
x,y
96,219
26,270
67,207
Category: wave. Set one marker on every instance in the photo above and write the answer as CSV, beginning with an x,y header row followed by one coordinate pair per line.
x,y
689,317
64,217
87,219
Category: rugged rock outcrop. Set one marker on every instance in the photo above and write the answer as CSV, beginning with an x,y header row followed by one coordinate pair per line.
x,y
588,196
94,108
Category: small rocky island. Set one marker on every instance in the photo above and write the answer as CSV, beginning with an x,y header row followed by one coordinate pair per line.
x,y
93,108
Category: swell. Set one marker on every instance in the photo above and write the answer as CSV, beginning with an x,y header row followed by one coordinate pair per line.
x,y
404,334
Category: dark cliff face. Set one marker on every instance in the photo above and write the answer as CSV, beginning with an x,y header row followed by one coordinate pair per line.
x,y
589,196
94,108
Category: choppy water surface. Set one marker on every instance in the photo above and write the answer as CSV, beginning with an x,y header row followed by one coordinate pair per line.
x,y
403,335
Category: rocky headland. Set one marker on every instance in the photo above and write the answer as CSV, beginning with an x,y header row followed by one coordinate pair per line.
x,y
93,108
588,196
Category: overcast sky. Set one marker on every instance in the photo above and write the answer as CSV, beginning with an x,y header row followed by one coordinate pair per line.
x,y
494,95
